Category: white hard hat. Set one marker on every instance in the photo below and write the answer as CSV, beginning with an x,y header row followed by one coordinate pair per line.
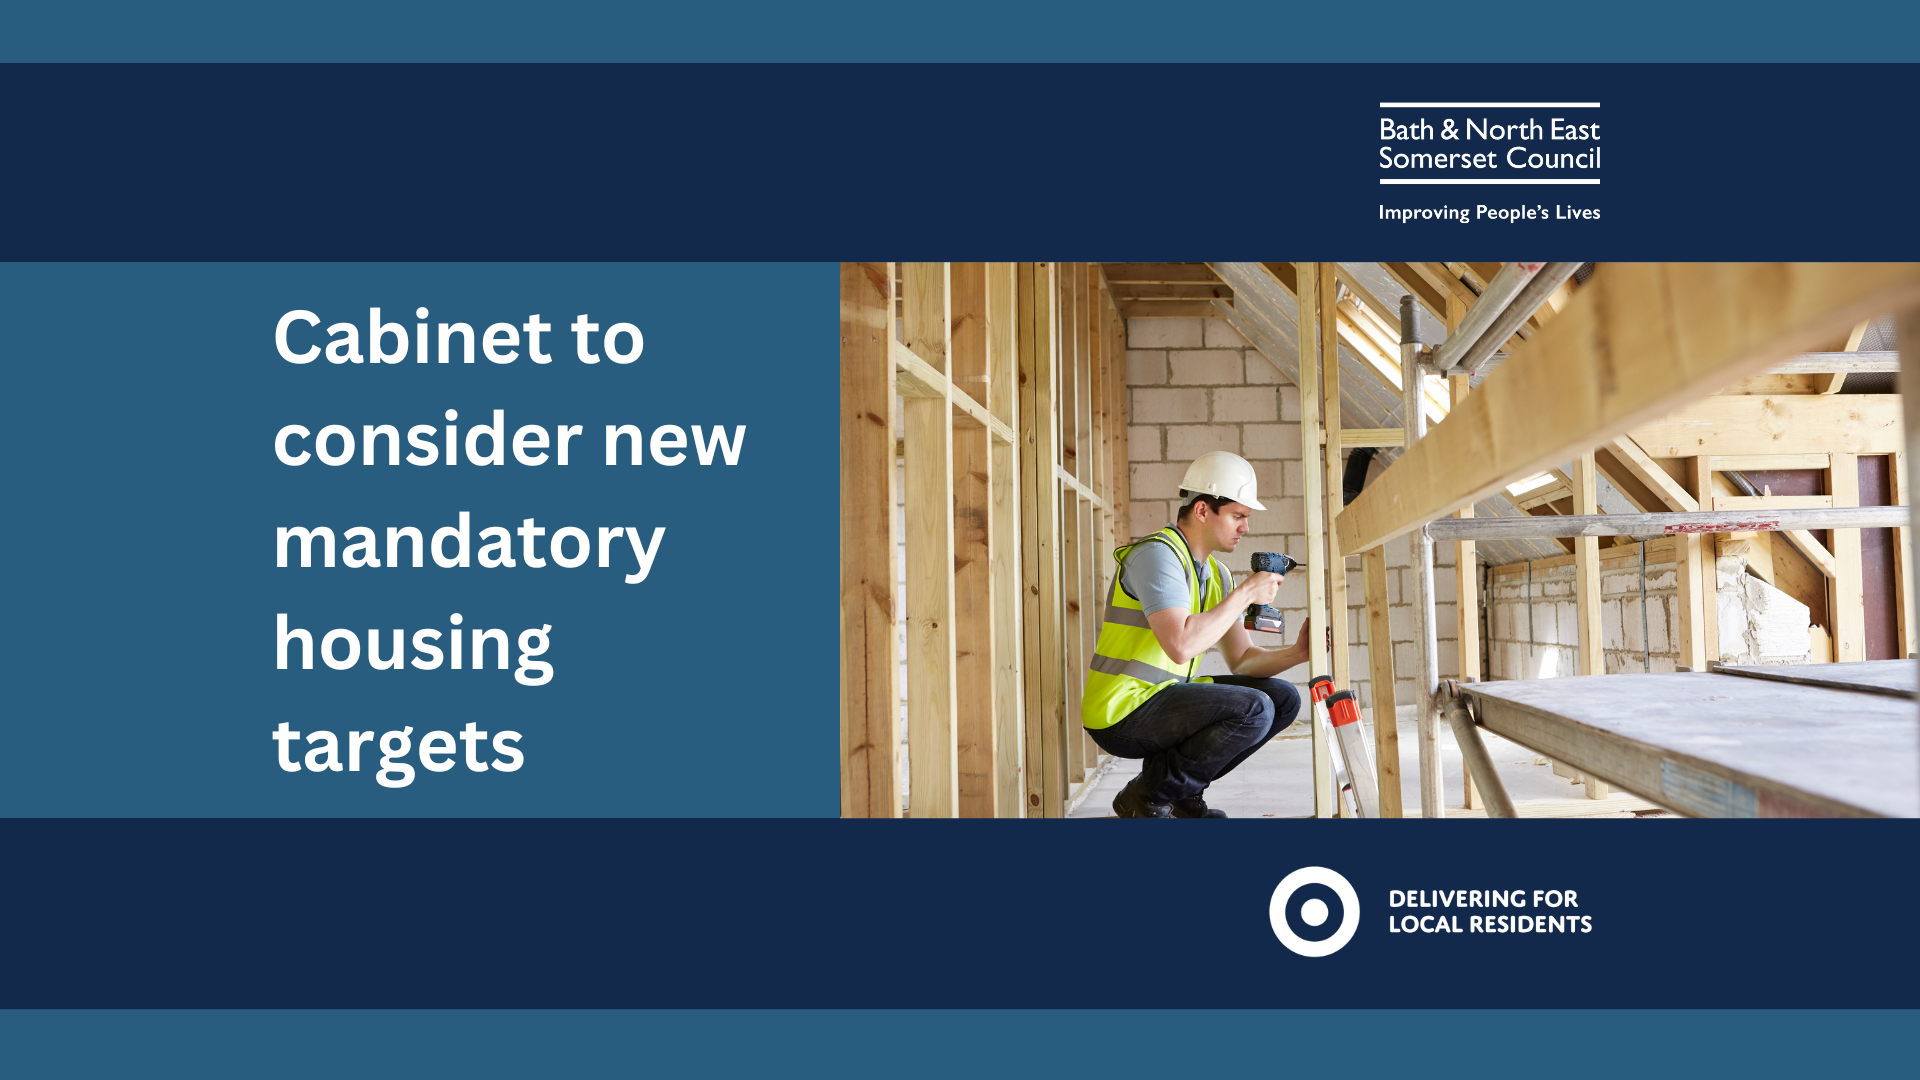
x,y
1224,474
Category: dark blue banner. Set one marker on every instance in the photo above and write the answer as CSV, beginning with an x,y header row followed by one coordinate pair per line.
x,y
831,162
962,914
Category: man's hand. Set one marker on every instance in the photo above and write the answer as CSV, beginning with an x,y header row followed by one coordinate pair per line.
x,y
1300,644
1260,588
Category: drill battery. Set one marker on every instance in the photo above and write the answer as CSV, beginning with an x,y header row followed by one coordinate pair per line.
x,y
1264,616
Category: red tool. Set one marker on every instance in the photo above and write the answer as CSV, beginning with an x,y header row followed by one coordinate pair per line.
x,y
1341,711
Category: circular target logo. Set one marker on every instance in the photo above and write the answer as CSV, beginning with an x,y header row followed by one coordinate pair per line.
x,y
1314,911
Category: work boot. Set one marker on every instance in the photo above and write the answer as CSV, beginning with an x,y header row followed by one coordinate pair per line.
x,y
1195,806
1130,803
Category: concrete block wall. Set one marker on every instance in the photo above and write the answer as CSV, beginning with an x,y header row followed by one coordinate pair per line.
x,y
1400,590
1195,385
1759,624
1548,646
1633,639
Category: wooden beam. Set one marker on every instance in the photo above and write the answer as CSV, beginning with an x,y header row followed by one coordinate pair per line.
x,y
1858,335
1635,462
967,333
1848,608
1073,514
970,413
977,669
1259,311
1341,665
1693,566
924,327
1766,462
1727,425
1775,385
1003,544
1632,469
1640,496
977,733
1275,349
1586,589
1100,444
1213,290
1104,360
1086,277
1626,557
1044,772
1807,545
1386,729
1467,623
1313,431
1636,343
1907,337
1836,362
1834,382
1434,300
1003,390
1168,309
1388,316
1117,492
1079,489
914,377
869,650
1386,436
1363,322
1466,592
1080,416
1445,281
1586,569
1700,476
932,730
1060,722
1157,273
1902,559
1542,500
1336,631
1772,502
1283,273
1383,363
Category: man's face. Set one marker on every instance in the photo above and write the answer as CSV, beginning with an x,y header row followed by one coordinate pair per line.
x,y
1225,528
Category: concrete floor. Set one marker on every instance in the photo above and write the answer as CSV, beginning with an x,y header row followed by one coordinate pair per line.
x,y
1277,781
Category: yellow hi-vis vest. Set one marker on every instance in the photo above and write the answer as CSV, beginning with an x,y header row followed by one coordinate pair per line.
x,y
1128,665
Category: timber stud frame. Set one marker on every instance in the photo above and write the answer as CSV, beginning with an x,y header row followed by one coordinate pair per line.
x,y
1005,383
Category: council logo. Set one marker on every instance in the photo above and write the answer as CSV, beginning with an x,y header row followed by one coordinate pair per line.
x,y
1314,911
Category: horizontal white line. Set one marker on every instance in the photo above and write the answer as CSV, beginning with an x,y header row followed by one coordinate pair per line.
x,y
1489,104
1464,181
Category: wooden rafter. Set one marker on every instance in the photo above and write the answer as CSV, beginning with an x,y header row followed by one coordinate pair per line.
x,y
1637,342
1164,290
1776,424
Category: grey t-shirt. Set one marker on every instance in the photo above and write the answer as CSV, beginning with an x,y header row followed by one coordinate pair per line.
x,y
1153,575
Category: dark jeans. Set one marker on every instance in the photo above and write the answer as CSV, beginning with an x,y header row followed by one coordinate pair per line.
x,y
1192,734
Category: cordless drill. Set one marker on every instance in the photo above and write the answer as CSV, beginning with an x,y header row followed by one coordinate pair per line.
x,y
1264,616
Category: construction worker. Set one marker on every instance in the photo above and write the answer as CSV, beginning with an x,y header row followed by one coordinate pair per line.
x,y
1171,603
